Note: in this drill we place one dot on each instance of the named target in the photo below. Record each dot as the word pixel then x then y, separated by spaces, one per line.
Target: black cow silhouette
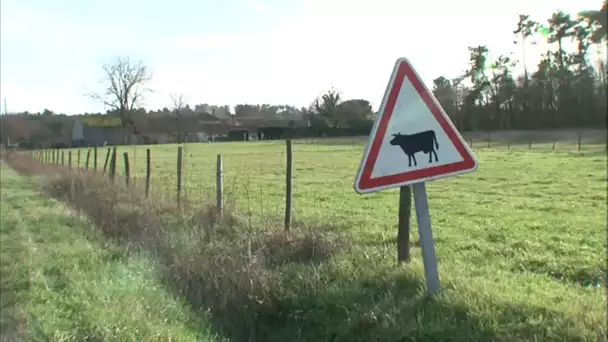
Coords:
pixel 419 142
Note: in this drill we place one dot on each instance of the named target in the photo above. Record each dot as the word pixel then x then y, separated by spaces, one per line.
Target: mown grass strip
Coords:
pixel 61 282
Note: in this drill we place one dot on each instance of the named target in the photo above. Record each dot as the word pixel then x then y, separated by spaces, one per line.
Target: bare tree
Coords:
pixel 126 88
pixel 178 106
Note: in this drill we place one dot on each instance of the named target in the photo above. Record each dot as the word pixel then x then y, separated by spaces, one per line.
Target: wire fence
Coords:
pixel 254 176
pixel 553 140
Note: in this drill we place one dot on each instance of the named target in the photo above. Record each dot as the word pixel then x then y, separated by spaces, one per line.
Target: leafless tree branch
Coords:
pixel 125 87
pixel 178 106
pixel 178 103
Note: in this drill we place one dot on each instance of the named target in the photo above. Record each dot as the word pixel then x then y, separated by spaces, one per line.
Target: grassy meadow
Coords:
pixel 521 243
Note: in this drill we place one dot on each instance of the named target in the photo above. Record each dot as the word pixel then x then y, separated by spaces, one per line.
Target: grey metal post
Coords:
pixel 426 238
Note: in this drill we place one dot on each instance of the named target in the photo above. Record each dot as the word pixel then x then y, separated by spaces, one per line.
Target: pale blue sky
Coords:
pixel 244 51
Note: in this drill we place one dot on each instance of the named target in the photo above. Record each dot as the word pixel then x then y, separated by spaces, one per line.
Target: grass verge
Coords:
pixel 61 282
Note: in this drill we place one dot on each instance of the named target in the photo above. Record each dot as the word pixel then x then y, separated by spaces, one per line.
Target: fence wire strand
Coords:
pixel 254 172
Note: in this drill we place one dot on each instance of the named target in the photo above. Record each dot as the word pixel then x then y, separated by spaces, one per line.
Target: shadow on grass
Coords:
pixel 265 285
pixel 394 308
pixel 583 276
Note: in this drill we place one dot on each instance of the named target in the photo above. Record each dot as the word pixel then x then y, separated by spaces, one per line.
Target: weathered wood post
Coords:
pixel 405 216
pixel 288 184
pixel 105 163
pixel 125 156
pixel 147 172
pixel 86 162
pixel 113 164
pixel 219 185
pixel 95 158
pixel 179 175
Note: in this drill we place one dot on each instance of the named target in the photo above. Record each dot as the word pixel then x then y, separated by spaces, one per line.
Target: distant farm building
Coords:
pixel 200 127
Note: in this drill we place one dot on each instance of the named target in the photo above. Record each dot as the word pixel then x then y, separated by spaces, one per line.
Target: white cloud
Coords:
pixel 35 99
pixel 351 46
pixel 260 8
pixel 204 41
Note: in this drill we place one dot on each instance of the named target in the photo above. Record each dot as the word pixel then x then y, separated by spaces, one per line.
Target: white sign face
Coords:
pixel 412 140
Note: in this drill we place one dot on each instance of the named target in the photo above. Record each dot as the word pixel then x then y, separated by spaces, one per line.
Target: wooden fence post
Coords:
pixel 105 163
pixel 86 162
pixel 113 164
pixel 78 160
pixel 288 189
pixel 127 168
pixel 147 171
pixel 580 138
pixel 70 160
pixel 179 175
pixel 403 230
pixel 95 158
pixel 62 158
pixel 219 186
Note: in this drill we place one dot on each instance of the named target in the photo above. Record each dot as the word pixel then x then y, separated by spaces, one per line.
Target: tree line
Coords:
pixel 567 89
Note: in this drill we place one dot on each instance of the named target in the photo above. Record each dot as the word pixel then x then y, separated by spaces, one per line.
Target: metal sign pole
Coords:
pixel 426 238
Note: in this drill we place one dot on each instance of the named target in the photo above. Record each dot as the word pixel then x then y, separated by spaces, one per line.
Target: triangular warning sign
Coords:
pixel 413 139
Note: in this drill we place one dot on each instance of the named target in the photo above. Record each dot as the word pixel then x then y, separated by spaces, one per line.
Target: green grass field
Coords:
pixel 60 281
pixel 520 243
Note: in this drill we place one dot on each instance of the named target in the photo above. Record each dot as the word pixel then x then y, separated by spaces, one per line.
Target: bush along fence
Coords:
pixel 72 161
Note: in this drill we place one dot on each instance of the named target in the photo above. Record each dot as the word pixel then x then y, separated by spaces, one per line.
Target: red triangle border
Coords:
pixel 366 182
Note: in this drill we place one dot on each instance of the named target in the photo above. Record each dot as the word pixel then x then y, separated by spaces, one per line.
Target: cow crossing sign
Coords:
pixel 413 139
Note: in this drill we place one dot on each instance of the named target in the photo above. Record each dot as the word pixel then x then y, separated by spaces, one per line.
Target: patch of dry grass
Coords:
pixel 219 264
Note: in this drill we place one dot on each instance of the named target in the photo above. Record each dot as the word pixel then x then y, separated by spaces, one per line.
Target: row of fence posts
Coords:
pixel 56 156
pixel 579 143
